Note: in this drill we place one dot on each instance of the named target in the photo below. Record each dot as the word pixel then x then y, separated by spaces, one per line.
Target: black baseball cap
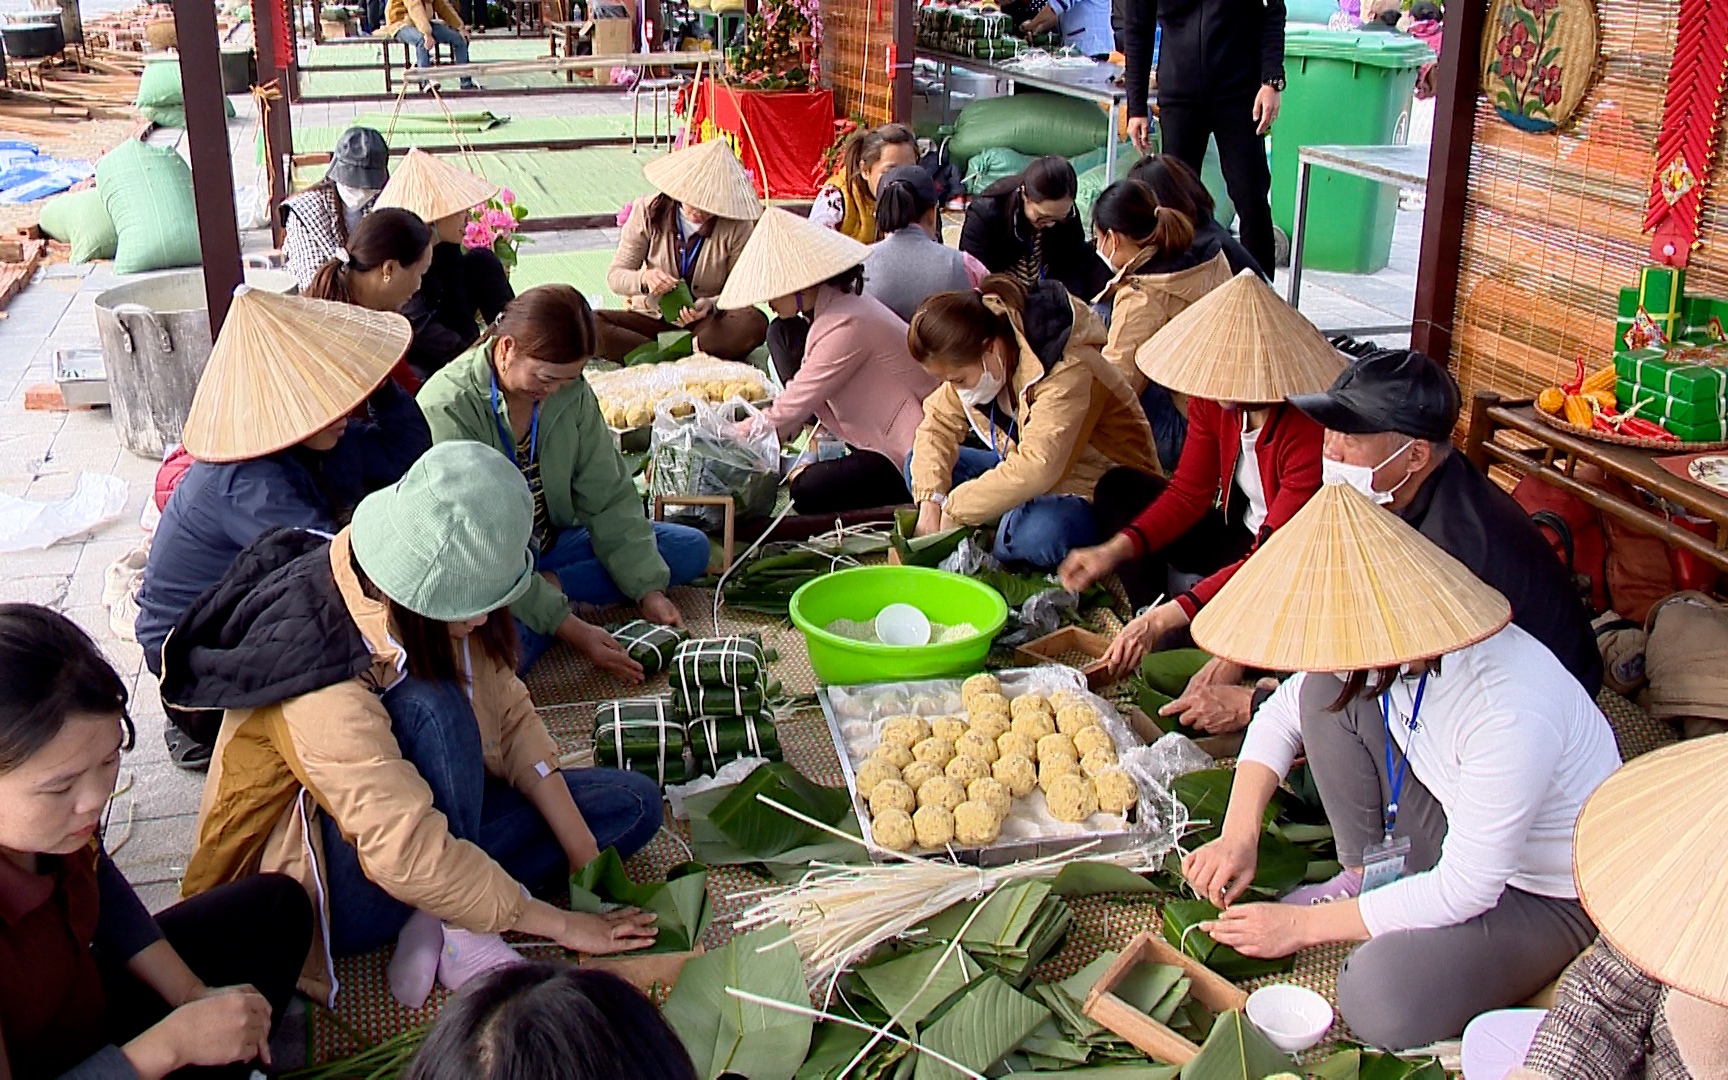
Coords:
pixel 916 177
pixel 360 160
pixel 1398 390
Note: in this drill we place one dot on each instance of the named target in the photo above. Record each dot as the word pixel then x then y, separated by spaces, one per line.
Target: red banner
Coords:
pixel 778 135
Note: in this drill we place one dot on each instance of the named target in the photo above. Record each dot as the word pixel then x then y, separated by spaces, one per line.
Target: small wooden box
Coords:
pixel 1058 647
pixel 1208 987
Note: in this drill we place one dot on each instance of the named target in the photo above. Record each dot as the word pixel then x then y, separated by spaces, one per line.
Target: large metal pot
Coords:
pixel 155 342
pixel 32 39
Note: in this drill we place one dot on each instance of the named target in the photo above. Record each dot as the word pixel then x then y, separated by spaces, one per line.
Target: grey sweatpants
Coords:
pixel 1413 987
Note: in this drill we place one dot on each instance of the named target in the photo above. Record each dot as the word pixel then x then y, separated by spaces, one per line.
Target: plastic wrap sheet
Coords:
pixel 628 395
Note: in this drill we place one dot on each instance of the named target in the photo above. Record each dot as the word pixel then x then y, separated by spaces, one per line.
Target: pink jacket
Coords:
pixel 858 378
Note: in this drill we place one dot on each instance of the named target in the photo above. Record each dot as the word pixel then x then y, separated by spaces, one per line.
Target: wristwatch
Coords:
pixel 1276 84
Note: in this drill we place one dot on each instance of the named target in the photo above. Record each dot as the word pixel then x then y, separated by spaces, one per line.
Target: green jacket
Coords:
pixel 585 479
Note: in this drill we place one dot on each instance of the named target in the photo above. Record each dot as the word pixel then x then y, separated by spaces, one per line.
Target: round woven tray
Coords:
pixel 1674 447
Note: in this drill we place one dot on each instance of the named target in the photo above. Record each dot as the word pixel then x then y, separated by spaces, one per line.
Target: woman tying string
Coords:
pixel 910 264
pixel 855 376
pixel 521 392
pixel 91 985
pixel 1025 226
pixel 378 745
pixel 464 288
pixel 1250 462
pixel 275 443
pixel 1022 370
pixel 1452 752
pixel 1158 274
pixel 319 220
pixel 847 202
pixel 690 234
pixel 379 270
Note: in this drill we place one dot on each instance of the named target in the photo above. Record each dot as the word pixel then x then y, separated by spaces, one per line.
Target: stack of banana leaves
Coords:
pixel 766 583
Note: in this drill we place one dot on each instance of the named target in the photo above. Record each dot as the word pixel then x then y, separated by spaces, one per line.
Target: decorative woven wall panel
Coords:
pixel 856 37
pixel 1553 224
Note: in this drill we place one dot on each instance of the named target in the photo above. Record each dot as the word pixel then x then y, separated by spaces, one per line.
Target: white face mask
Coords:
pixel 353 197
pixel 989 386
pixel 1108 257
pixel 1361 477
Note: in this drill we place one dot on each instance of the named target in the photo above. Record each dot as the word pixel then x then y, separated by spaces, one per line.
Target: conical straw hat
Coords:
pixel 708 177
pixel 787 253
pixel 285 368
pixel 432 188
pixel 1347 586
pixel 1651 858
pixel 1240 342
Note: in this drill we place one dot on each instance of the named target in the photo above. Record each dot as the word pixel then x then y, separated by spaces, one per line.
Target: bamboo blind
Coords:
pixel 856 38
pixel 1552 228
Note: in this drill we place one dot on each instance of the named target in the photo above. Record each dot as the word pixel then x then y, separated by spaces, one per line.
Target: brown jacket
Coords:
pixel 645 247
pixel 276 768
pixel 420 13
pixel 1145 302
pixel 1077 416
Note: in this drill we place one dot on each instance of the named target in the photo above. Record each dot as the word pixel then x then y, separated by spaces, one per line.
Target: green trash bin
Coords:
pixel 1346 88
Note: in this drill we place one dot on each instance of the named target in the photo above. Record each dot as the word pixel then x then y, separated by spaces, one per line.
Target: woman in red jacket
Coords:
pixel 1251 461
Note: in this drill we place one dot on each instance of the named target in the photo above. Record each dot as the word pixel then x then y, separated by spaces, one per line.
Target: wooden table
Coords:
pixel 1556 457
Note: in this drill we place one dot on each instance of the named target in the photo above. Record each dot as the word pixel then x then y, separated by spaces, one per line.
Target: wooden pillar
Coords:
pixel 291 11
pixel 901 59
pixel 271 47
pixel 207 136
pixel 1437 268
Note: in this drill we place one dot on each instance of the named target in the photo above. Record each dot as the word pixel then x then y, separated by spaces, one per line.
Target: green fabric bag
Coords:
pixel 147 191
pixel 159 85
pixel 79 218
pixel 992 164
pixel 1035 124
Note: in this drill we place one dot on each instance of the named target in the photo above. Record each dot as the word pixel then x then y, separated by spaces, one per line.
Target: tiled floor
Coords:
pixel 42 453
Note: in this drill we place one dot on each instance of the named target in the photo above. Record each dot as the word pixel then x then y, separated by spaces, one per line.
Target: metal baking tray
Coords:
pixel 998 854
pixel 82 377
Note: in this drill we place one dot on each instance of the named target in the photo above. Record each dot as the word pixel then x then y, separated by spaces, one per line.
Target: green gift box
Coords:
pixel 1654 405
pixel 1662 294
pixel 1675 373
pixel 1706 431
pixel 643 735
pixel 714 741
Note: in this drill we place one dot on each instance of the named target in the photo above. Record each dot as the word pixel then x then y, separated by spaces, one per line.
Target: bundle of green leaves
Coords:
pixel 1182 919
pixel 1018 926
pixel 725 1033
pixel 1295 841
pixel 729 826
pixel 680 903
pixel 766 583
pixel 1070 1039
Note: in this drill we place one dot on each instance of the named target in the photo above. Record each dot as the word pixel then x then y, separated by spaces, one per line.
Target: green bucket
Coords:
pixel 862 592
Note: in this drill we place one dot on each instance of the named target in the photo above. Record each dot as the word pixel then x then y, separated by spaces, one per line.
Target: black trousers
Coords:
pixel 1212 544
pixel 786 341
pixel 255 931
pixel 1187 124
pixel 862 480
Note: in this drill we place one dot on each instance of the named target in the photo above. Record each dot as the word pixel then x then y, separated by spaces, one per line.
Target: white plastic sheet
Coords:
pixel 32 526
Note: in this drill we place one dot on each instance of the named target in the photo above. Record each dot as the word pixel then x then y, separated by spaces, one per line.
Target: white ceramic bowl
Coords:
pixel 902 624
pixel 1293 1017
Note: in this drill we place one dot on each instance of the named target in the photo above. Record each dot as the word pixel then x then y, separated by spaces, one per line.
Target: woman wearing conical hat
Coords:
pixel 1452 753
pixel 691 233
pixel 855 376
pixel 276 444
pixel 1249 461
pixel 464 288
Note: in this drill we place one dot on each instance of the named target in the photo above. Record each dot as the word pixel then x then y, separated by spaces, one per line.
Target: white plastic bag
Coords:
pixel 32 526
pixel 703 449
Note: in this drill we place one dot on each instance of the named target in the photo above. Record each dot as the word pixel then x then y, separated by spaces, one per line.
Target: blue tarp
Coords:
pixel 27 174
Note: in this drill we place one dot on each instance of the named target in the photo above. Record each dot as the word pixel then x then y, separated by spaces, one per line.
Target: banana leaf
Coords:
pixel 649 644
pixel 719 701
pixel 729 662
pixel 1182 919
pixel 680 902
pixel 716 740
pixel 895 984
pixel 832 1046
pixel 1019 926
pixel 669 346
pixel 1150 701
pixel 1168 672
pixel 923 550
pixel 763 831
pixel 1237 1051
pixel 979 1028
pixel 1358 1064
pixel 726 1034
pixel 1206 794
pixel 640 734
pixel 1083 878
pixel 710 846
pixel 673 303
pixel 1282 865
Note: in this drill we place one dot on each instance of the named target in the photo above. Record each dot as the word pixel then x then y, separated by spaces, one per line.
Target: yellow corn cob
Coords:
pixel 1604 398
pixel 1600 379
pixel 1551 400
pixel 1578 412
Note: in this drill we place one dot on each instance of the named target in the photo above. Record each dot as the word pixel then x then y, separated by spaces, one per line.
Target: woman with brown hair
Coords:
pixel 1021 369
pixel 521 392
pixel 690 234
pixel 847 202
pixel 380 269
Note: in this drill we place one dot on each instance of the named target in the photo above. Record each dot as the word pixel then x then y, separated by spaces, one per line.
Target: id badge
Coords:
pixel 1383 863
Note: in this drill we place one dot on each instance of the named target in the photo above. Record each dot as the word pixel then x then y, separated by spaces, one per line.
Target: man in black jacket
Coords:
pixel 1220 73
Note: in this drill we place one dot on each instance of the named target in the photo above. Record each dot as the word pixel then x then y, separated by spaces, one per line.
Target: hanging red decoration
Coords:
pixel 1687 143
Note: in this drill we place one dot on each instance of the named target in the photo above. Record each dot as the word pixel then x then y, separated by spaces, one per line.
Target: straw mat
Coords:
pixel 1652 868
pixel 1347 586
pixel 285 368
pixel 433 188
pixel 787 253
pixel 708 177
pixel 1240 343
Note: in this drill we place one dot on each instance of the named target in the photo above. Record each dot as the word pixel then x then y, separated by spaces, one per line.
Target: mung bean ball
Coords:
pixel 1073 719
pixel 893 830
pixel 1016 773
pixel 989 724
pixel 1117 792
pixel 1096 761
pixel 979 684
pixel 965 769
pixel 1055 766
pixel 941 791
pixel 1017 742
pixel 976 823
pixel 988 789
pixel 919 771
pixel 908 731
pixel 934 826
pixel 1093 738
pixel 892 795
pixel 948 727
pixel 1057 745
pixel 977 744
pixel 938 752
pixel 1071 798
pixel 872 772
pixel 1034 724
pixel 894 754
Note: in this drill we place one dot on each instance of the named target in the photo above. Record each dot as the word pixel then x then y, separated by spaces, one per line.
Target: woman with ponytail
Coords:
pixel 910 263
pixel 380 270
pixel 1158 274
pixel 847 203
pixel 1022 370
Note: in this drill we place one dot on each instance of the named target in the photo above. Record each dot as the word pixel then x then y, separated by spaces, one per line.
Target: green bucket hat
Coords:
pixel 449 541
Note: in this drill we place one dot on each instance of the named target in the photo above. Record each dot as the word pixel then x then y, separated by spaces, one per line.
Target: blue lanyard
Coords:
pixel 687 258
pixel 1397 779
pixel 504 431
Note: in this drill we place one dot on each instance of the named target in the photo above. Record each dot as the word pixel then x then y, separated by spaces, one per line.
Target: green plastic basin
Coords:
pixel 862 592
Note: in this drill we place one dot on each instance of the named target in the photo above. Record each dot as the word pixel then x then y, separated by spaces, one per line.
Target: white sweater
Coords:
pixel 1510 745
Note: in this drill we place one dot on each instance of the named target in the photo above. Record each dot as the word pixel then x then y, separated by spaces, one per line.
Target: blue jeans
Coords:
pixel 1041 531
pixel 442 34
pixel 435 727
pixel 585 580
pixel 1169 426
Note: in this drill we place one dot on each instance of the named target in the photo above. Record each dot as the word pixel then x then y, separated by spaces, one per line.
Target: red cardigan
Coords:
pixel 1288 451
